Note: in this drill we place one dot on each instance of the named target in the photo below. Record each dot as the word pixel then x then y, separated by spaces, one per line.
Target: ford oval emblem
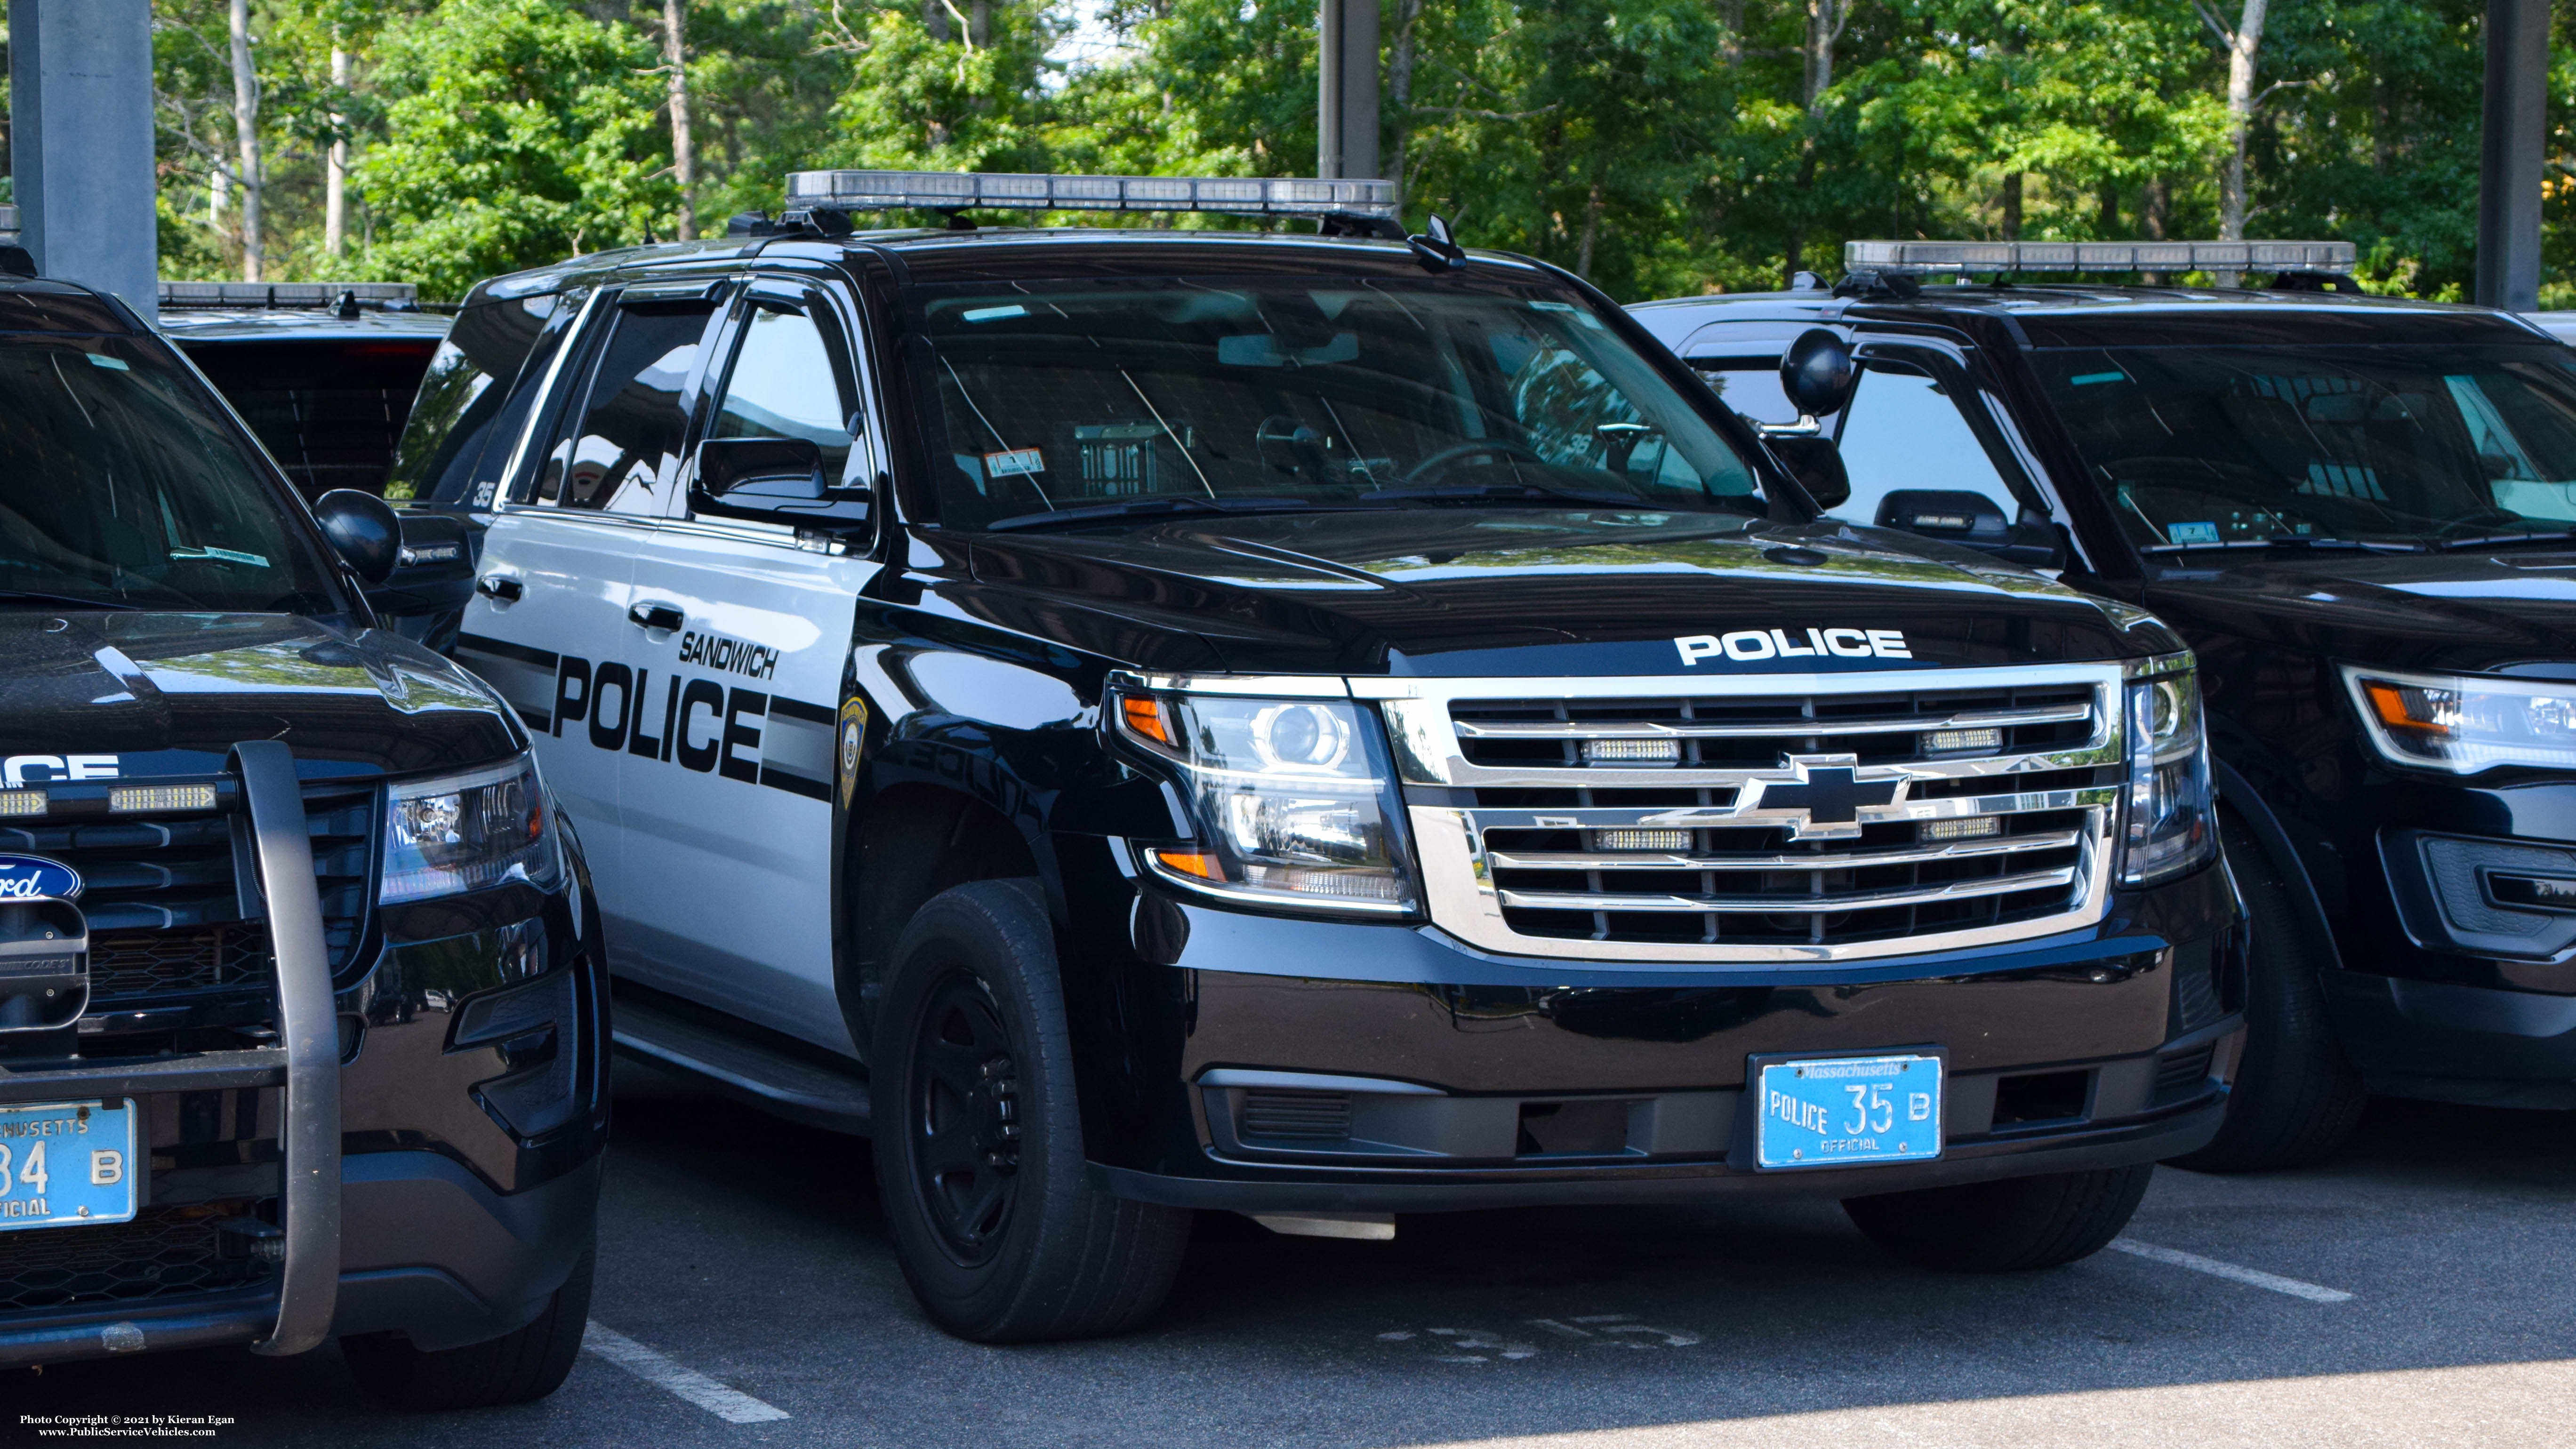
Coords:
pixel 34 878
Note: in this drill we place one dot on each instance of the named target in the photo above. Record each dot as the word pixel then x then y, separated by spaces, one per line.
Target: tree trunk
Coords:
pixel 2012 206
pixel 335 169
pixel 684 147
pixel 1399 92
pixel 2241 47
pixel 246 131
pixel 934 18
pixel 979 23
pixel 1591 231
pixel 1825 22
pixel 1730 18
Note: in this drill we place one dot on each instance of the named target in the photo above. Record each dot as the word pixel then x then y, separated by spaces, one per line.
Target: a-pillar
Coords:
pixel 80 142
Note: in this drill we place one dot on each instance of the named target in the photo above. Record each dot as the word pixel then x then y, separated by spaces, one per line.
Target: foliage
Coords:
pixel 1656 146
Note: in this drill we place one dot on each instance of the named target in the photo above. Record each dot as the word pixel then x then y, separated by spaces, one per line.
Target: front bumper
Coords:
pixel 1423 1075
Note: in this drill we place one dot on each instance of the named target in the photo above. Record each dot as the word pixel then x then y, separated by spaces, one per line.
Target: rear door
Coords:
pixel 745 626
pixel 549 615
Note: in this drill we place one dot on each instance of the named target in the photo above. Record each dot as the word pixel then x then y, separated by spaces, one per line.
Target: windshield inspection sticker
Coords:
pixel 1015 463
pixel 2192 532
pixel 1747 645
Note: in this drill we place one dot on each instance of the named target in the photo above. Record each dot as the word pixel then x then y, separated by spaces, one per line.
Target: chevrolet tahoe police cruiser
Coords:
pixel 301 987
pixel 2358 511
pixel 1320 726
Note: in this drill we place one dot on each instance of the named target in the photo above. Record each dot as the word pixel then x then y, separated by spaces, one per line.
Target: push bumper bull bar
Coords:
pixel 306 1064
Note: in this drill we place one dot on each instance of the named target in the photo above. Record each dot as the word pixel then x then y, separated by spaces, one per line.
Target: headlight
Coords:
pixel 466 832
pixel 1293 799
pixel 2465 724
pixel 2170 829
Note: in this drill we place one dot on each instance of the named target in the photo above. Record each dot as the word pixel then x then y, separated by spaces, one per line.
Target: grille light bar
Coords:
pixel 956 190
pixel 2163 256
pixel 125 799
pixel 21 802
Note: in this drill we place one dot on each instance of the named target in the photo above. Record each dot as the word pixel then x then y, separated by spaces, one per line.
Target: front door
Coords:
pixel 745 625
pixel 548 621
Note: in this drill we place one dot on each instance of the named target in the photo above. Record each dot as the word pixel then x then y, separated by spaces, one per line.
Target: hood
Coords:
pixel 140 694
pixel 1539 592
pixel 2455 612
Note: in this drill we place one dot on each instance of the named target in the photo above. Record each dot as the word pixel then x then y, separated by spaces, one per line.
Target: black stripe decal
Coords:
pixel 504 649
pixel 778 779
pixel 784 707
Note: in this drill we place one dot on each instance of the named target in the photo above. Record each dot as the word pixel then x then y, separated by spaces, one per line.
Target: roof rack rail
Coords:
pixel 1887 257
pixel 958 190
pixel 384 296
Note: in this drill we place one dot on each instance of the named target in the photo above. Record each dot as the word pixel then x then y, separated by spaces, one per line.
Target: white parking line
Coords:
pixel 2217 1269
pixel 731 1405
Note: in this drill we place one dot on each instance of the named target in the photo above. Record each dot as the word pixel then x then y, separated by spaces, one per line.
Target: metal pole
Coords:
pixel 2509 162
pixel 1346 116
pixel 80 142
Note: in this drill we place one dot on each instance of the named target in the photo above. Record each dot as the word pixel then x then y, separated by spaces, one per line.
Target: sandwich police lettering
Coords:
pixel 1745 646
pixel 727 655
pixel 699 724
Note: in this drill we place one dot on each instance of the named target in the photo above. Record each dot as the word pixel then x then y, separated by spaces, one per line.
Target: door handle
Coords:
pixel 650 615
pixel 501 587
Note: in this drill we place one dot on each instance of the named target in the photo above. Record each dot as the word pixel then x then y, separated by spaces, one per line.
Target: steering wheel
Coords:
pixel 1440 460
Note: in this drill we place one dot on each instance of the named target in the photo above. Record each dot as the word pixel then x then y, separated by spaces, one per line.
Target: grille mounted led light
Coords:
pixel 1945 742
pixel 2164 256
pixel 1628 838
pixel 1974 827
pixel 14 803
pixel 1632 752
pixel 131 799
pixel 958 190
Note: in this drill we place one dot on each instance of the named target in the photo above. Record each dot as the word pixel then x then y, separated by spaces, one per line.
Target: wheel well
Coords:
pixel 914 842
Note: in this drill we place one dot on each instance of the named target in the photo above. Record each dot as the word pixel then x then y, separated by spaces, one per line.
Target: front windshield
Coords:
pixel 121 487
pixel 1062 402
pixel 2278 446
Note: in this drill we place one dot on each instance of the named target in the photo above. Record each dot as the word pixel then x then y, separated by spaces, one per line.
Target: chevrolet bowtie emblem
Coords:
pixel 1819 797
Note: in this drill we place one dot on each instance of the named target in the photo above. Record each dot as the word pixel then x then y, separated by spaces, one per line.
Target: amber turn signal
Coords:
pixel 1144 715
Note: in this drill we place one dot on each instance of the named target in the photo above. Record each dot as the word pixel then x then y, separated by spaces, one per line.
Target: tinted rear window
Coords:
pixel 330 410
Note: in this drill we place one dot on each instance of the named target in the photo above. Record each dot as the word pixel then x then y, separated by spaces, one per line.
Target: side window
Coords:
pixel 474 401
pixel 1903 429
pixel 786 383
pixel 620 453
pixel 1751 386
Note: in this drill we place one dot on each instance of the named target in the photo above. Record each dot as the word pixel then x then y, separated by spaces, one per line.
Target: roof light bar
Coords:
pixel 282 294
pixel 2152 256
pixel 956 190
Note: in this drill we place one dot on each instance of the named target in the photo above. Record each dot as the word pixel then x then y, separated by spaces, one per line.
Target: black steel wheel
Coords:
pixel 964 1119
pixel 979 1152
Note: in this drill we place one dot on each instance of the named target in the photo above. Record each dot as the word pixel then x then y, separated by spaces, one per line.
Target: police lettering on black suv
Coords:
pixel 2358 512
pixel 1317 726
pixel 302 994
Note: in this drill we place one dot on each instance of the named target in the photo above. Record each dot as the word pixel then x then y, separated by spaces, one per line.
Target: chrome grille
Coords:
pixel 1761 818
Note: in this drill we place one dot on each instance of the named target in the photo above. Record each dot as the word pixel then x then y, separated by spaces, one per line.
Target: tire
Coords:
pixel 526 1364
pixel 979 1157
pixel 2296 1098
pixel 2004 1227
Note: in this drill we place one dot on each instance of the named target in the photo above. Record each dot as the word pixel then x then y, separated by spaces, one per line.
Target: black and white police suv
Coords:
pixel 302 995
pixel 2360 512
pixel 1320 726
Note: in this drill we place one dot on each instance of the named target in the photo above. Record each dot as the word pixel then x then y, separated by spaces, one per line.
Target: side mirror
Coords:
pixel 1816 463
pixel 363 531
pixel 782 468
pixel 1973 519
pixel 434 570
pixel 1817 372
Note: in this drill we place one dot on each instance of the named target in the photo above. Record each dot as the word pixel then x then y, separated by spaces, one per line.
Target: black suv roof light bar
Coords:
pixel 388 296
pixel 958 190
pixel 2148 256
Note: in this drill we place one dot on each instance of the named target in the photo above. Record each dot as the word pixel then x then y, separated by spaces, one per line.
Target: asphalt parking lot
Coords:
pixel 750 1299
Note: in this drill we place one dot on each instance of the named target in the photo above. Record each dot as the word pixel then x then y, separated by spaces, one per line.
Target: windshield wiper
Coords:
pixel 1158 508
pixel 2290 540
pixel 30 596
pixel 1498 493
pixel 2492 540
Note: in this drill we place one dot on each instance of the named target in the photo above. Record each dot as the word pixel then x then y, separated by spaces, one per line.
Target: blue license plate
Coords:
pixel 66 1164
pixel 1838 1111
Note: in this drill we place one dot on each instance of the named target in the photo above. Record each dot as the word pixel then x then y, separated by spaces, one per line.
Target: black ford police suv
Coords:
pixel 302 996
pixel 2361 513
pixel 1321 726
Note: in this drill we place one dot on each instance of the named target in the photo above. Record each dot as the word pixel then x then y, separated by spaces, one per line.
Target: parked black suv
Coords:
pixel 2358 510
pixel 302 998
pixel 1322 726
